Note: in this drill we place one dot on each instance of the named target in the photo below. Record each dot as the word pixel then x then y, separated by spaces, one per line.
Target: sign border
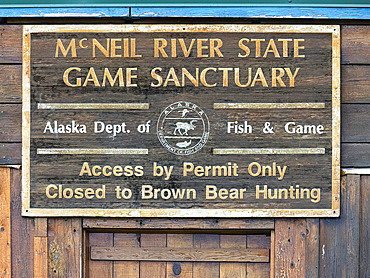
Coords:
pixel 197 213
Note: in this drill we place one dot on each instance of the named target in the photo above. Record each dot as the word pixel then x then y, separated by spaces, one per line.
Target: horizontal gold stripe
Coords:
pixel 93 106
pixel 92 151
pixel 267 105
pixel 271 151
pixel 239 213
pixel 209 28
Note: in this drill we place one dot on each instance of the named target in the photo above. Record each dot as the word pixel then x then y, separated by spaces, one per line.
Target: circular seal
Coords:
pixel 183 128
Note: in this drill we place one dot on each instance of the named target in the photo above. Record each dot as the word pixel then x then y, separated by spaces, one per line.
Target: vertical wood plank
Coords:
pixel 40 248
pixel 40 257
pixel 255 270
pixel 65 247
pixel 272 255
pixel 290 249
pixel 86 253
pixel 206 270
pixel 364 228
pixel 233 270
pixel 153 269
pixel 100 269
pixel 339 238
pixel 41 227
pixel 22 232
pixel 312 247
pixel 123 269
pixel 5 228
pixel 184 241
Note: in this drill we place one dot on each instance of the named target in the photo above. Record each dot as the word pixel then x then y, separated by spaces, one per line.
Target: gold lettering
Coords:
pixel 193 80
pixel 114 47
pixel 66 79
pixel 245 48
pixel 81 44
pixel 225 76
pixel 237 78
pixel 159 45
pixel 200 48
pixel 72 46
pixel 156 77
pixel 297 47
pixel 130 76
pixel 258 46
pixel 172 77
pixel 51 186
pixel 183 47
pixel 94 171
pixel 173 48
pixel 285 46
pixel 133 49
pixel 277 78
pixel 125 48
pixel 85 169
pixel 273 49
pixel 103 50
pixel 112 81
pixel 213 48
pixel 259 77
pixel 91 76
pixel 203 77
pixel 291 76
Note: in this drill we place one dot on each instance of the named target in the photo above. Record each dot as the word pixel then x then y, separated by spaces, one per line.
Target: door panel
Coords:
pixel 199 245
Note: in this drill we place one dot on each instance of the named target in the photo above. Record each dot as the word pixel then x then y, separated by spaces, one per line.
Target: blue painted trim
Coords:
pixel 255 12
pixel 65 12
pixel 221 12
pixel 179 3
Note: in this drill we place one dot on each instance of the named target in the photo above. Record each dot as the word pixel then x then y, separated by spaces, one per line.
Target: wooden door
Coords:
pixel 173 254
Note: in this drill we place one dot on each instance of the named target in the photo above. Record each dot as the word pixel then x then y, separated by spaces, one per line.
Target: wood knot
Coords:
pixel 176 268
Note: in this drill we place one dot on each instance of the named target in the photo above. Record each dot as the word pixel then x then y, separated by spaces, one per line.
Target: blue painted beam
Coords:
pixel 179 3
pixel 255 12
pixel 220 12
pixel 65 12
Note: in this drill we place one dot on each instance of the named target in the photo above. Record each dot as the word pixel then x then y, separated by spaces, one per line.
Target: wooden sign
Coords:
pixel 181 120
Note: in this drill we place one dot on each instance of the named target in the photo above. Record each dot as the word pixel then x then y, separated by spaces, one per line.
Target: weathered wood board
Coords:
pixel 181 120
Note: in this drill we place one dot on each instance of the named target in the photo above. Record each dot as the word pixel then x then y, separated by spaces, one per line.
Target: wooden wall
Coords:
pixel 309 247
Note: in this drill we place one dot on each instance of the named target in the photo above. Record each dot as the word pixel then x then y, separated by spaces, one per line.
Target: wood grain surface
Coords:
pixel 127 269
pixel 11 44
pixel 178 254
pixel 22 232
pixel 179 241
pixel 206 270
pixel 290 256
pixel 153 269
pixel 100 269
pixel 364 234
pixel 355 44
pixel 176 224
pixel 339 239
pixel 40 249
pixel 5 224
pixel 11 85
pixel 260 269
pixel 65 247
pixel 356 119
pixel 329 257
pixel 313 85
